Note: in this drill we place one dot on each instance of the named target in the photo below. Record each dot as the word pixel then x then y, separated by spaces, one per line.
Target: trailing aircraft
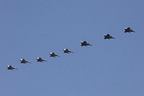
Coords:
pixel 108 36
pixel 67 51
pixel 128 30
pixel 39 59
pixel 10 67
pixel 23 61
pixel 52 54
pixel 85 43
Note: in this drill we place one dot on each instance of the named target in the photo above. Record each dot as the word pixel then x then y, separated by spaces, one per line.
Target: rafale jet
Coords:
pixel 67 51
pixel 108 36
pixel 39 59
pixel 52 54
pixel 128 30
pixel 85 43
pixel 9 67
pixel 23 61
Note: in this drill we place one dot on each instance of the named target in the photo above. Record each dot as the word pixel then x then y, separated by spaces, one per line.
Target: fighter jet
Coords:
pixel 9 67
pixel 128 30
pixel 23 61
pixel 85 43
pixel 52 54
pixel 108 36
pixel 67 51
pixel 39 59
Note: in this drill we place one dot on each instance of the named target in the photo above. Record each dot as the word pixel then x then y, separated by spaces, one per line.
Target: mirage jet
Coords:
pixel 108 36
pixel 85 43
pixel 128 30
pixel 39 59
pixel 9 67
pixel 67 51
pixel 52 54
pixel 23 61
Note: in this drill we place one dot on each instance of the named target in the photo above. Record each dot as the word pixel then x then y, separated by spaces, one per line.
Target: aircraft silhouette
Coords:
pixel 52 54
pixel 108 36
pixel 85 43
pixel 23 61
pixel 9 67
pixel 128 30
pixel 67 51
pixel 39 59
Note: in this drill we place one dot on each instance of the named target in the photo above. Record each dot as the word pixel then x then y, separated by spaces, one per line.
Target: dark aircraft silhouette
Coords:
pixel 108 36
pixel 128 30
pixel 9 67
pixel 39 59
pixel 52 54
pixel 67 51
pixel 23 61
pixel 85 43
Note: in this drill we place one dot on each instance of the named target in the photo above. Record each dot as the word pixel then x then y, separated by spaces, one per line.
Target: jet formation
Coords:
pixel 65 50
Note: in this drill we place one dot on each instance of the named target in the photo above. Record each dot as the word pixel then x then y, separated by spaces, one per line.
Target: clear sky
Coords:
pixel 33 28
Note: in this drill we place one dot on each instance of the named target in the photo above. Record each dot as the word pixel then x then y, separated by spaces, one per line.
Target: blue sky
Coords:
pixel 33 28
